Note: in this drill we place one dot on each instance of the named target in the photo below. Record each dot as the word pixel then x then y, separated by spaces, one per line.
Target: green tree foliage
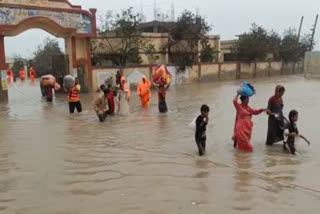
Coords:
pixel 258 43
pixel 292 50
pixel 207 52
pixel 124 26
pixel 17 64
pixel 150 53
pixel 252 46
pixel 42 62
pixel 185 35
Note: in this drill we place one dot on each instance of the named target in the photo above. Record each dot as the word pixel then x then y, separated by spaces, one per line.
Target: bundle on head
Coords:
pixel 68 82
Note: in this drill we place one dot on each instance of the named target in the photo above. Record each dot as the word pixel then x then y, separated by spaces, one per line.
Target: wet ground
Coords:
pixel 54 163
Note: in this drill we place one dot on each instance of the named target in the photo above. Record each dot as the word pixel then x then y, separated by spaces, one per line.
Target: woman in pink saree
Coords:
pixel 244 125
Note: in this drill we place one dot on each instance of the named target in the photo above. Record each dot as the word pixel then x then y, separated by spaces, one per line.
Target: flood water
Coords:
pixel 54 163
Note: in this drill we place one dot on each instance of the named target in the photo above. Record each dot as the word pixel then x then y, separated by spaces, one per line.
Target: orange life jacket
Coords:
pixel 73 95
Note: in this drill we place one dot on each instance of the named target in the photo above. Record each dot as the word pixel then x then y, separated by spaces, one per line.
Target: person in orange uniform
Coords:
pixel 73 98
pixel 22 74
pixel 32 74
pixel 9 75
pixel 144 92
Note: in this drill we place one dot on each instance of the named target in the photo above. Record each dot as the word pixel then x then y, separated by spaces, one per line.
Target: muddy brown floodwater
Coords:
pixel 54 163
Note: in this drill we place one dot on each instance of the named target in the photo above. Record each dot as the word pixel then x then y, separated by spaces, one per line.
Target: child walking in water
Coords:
pixel 201 126
pixel 292 132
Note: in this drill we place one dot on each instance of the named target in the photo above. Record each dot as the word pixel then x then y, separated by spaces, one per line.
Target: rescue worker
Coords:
pixel 9 75
pixel 22 74
pixel 144 92
pixel 32 74
pixel 73 98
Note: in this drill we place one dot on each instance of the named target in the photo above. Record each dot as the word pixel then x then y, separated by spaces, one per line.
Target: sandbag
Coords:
pixel 68 82
pixel 246 89
pixel 161 75
pixel 47 80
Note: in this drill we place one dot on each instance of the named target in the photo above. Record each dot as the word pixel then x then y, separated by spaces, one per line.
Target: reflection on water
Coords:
pixel 53 162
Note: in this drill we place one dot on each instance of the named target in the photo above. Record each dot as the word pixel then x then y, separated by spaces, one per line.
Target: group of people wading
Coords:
pixel 114 99
pixel 22 75
pixel 280 129
pixel 120 94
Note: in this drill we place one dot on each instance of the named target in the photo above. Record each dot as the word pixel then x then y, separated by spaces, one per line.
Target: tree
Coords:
pixel 150 53
pixel 42 62
pixel 17 64
pixel 256 44
pixel 184 38
pixel 252 46
pixel 274 42
pixel 207 52
pixel 122 41
pixel 292 50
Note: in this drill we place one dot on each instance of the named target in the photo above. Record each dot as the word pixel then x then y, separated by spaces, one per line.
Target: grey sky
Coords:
pixel 228 17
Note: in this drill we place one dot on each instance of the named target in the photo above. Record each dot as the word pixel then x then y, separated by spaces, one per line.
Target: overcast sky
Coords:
pixel 228 17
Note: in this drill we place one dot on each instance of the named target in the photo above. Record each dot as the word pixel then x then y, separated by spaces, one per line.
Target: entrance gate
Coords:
pixel 59 18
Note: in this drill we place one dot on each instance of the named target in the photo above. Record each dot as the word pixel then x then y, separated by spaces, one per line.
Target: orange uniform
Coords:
pixel 22 74
pixel 144 92
pixel 73 95
pixel 74 100
pixel 32 74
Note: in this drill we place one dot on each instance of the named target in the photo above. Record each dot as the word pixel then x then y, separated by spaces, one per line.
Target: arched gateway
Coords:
pixel 57 17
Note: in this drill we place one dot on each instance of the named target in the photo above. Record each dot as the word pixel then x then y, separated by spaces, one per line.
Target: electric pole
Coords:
pixel 299 33
pixel 313 33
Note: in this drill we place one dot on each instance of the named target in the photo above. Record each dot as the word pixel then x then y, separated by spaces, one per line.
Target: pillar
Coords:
pixel 89 65
pixel 3 68
pixel 94 15
pixel 74 53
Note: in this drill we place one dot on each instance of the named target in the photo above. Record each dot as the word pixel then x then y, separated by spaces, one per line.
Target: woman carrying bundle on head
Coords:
pixel 244 125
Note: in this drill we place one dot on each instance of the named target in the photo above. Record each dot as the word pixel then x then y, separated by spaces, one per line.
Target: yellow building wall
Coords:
pixel 102 45
pixel 209 71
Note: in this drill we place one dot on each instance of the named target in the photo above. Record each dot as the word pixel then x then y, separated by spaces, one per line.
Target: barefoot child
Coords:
pixel 201 126
pixel 292 132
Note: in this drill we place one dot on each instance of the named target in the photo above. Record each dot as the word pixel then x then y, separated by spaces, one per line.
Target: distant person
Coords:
pixel 32 74
pixel 276 118
pixel 144 92
pixel 73 98
pixel 162 104
pixel 244 125
pixel 22 74
pixel 101 106
pixel 111 100
pixel 9 75
pixel 201 127
pixel 119 75
pixel 101 89
pixel 49 93
pixel 124 97
pixel 43 90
